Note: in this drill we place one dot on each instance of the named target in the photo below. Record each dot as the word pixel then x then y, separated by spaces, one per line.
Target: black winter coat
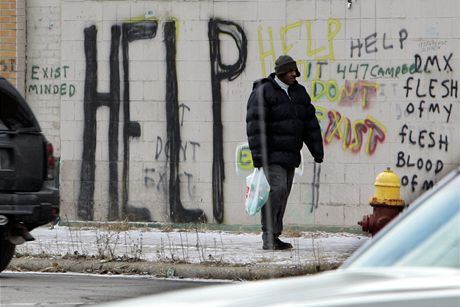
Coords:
pixel 288 123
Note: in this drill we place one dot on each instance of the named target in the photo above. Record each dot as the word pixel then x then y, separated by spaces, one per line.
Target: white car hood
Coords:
pixel 350 287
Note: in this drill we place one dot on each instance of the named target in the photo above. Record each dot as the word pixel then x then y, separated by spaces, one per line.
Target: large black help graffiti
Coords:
pixel 220 72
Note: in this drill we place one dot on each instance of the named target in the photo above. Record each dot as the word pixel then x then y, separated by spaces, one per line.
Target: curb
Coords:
pixel 163 270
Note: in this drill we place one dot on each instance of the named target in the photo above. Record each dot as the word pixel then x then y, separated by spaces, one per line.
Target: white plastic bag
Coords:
pixel 257 190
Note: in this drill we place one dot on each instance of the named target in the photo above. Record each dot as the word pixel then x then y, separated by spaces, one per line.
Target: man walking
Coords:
pixel 280 118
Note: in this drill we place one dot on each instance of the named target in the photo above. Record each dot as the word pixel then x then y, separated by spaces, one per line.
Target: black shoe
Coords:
pixel 282 245
pixel 277 245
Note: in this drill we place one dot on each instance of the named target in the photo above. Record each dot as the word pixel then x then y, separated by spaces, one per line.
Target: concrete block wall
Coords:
pixel 113 82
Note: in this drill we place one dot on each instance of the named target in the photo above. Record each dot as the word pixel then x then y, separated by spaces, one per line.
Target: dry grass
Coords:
pixel 292 233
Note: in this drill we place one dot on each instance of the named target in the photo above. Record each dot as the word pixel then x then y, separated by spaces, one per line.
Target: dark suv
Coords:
pixel 28 194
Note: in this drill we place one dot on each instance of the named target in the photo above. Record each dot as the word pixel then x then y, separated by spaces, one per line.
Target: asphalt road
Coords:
pixel 64 289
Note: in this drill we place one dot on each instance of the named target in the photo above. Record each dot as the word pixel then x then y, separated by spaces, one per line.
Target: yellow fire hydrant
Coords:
pixel 387 202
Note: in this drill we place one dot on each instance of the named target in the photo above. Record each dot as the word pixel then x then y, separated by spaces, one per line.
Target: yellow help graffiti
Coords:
pixel 324 52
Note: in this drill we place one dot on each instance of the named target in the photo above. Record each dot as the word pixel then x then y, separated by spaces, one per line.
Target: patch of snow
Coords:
pixel 191 246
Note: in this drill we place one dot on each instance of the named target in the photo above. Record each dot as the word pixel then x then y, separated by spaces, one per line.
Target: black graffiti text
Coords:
pixel 62 89
pixel 413 182
pixel 406 160
pixel 219 73
pixel 433 62
pixel 142 30
pixel 429 108
pixel 48 72
pixel 424 138
pixel 162 149
pixel 183 107
pixel 371 44
pixel 435 88
pixel 158 180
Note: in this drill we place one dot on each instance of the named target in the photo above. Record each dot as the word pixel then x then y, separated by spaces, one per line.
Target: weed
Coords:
pixel 166 228
pixel 291 232
pixel 116 226
pixel 133 248
pixel 317 253
pixel 107 242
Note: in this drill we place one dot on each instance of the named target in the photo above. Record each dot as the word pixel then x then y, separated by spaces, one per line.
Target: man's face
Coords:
pixel 289 77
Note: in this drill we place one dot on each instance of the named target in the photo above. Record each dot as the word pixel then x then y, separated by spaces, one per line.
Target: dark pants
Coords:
pixel 280 180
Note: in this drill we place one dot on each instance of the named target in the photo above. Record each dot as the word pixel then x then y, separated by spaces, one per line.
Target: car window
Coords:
pixel 440 249
pixel 15 114
pixel 11 115
pixel 428 236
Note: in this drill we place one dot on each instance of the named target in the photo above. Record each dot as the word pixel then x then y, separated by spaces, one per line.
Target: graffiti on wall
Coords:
pixel 243 159
pixel 429 99
pixel 156 178
pixel 315 185
pixel 351 92
pixel 374 43
pixel 177 211
pixel 431 45
pixel 360 85
pixel 123 35
pixel 365 133
pixel 173 147
pixel 7 65
pixel 50 80
pixel 353 84
pixel 325 52
pixel 94 100
pixel 220 72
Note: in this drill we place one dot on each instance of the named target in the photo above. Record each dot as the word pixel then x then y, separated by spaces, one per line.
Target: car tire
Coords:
pixel 6 253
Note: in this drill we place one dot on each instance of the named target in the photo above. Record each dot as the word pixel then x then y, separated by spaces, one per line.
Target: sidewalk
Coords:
pixel 181 253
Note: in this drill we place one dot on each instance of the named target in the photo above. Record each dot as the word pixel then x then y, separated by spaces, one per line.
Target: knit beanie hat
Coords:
pixel 284 64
